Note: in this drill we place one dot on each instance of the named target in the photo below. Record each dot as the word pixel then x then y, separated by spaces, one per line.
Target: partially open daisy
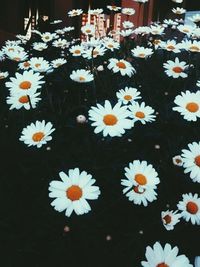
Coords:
pixel 75 12
pixel 23 100
pixel 71 194
pixel 128 11
pixel 177 161
pixel 128 24
pixel 82 76
pixel 126 32
pixel 3 75
pixel 142 113
pixel 164 257
pixel 178 11
pixel 191 161
pixel 95 12
pixel 128 95
pixel 190 208
pixel 60 43
pixel 37 134
pixel 114 8
pixel 170 219
pixel 24 65
pixel 122 66
pixel 112 121
pixel 175 68
pixel 27 81
pixel 195 18
pixel 58 62
pixel 141 52
pixel 188 105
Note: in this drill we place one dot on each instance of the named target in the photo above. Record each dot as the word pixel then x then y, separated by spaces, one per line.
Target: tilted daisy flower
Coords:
pixel 191 161
pixel 39 64
pixel 143 30
pixel 142 113
pixel 122 66
pixel 92 42
pixel 175 68
pixel 95 12
pixel 94 52
pixel 68 29
pixel 37 134
pixel 76 50
pixel 164 257
pixel 170 219
pixel 39 46
pixel 190 208
pixel 82 76
pixel 111 44
pixel 75 12
pixel 24 65
pixel 23 100
pixel 128 11
pixel 127 24
pixel 58 62
pixel 157 29
pixel 142 175
pixel 114 8
pixel 47 36
pixel 71 194
pixel 60 43
pixel 112 121
pixel 170 22
pixel 195 18
pixel 128 95
pixel 187 29
pixel 192 46
pixel 3 75
pixel 141 52
pixel 177 160
pixel 88 29
pixel 188 105
pixel 126 33
pixel 196 33
pixel 27 81
pixel 178 11
pixel 171 46
pixel 17 56
pixel 12 48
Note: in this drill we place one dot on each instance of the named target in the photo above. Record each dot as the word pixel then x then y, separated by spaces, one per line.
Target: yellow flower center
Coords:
pixel 37 137
pixel 110 119
pixel 74 193
pixel 77 51
pixel 170 47
pixel 194 48
pixel 37 65
pixel 81 79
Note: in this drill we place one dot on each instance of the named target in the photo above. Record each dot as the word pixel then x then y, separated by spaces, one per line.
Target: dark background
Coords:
pixel 32 232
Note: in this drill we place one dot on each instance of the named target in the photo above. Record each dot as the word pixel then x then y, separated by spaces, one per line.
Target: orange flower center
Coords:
pixel 194 48
pixel 2 77
pixel 74 193
pixel 162 265
pixel 81 79
pixel 77 51
pixel 37 137
pixel 17 58
pixel 177 69
pixel 26 64
pixel 197 161
pixel 121 65
pixel 192 207
pixel 95 53
pixel 23 99
pixel 156 42
pixel 88 31
pixel 140 114
pixel 110 119
pixel 140 179
pixel 37 65
pixel 25 85
pixel 171 47
pixel 142 55
pixel 192 107
pixel 128 97
pixel 110 46
pixel 167 219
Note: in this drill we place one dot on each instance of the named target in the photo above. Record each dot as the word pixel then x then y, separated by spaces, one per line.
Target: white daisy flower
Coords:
pixel 177 160
pixel 56 21
pixel 37 134
pixel 128 24
pixel 39 46
pixel 58 62
pixel 195 18
pixel 188 105
pixel 88 29
pixel 197 261
pixel 95 12
pixel 94 52
pixel 128 11
pixel 17 56
pixel 198 83
pixel 71 194
pixel 68 29
pixel 12 48
pixel 23 100
pixel 178 1
pixel 140 174
pixel 60 43
pixel 187 29
pixel 27 81
pixel 128 95
pixel 141 52
pixel 175 68
pixel 164 257
pixel 171 46
pixel 114 8
pixel 112 121
pixel 142 113
pixel 170 22
pixel 190 208
pixel 76 50
pixel 75 12
pixel 47 36
pixel 24 65
pixel 111 44
pixel 122 66
pixel 3 75
pixel 157 29
pixel 82 76
pixel 126 33
pixel 192 46
pixel 191 161
pixel 39 64
pixel 170 219
pixel 178 11
pixel 143 30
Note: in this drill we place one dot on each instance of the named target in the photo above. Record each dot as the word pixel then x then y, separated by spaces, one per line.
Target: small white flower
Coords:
pixel 175 68
pixel 177 160
pixel 170 219
pixel 122 66
pixel 82 76
pixel 142 113
pixel 128 95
